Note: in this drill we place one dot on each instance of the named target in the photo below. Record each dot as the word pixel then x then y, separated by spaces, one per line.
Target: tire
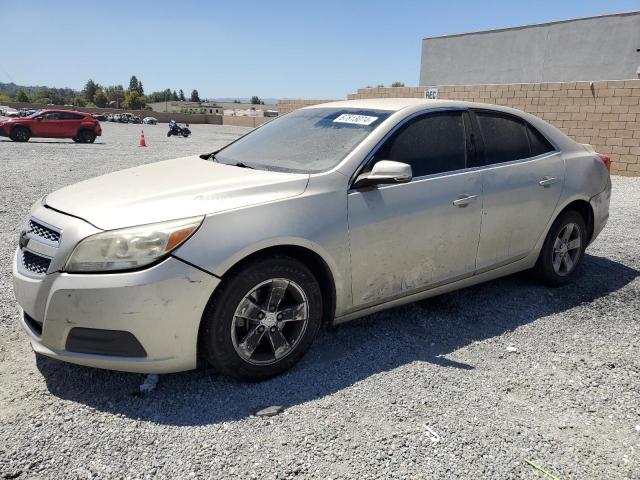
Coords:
pixel 20 134
pixel 250 347
pixel 168 134
pixel 567 237
pixel 86 136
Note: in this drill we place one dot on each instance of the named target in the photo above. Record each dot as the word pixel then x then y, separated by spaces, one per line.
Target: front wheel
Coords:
pixel 563 249
pixel 263 320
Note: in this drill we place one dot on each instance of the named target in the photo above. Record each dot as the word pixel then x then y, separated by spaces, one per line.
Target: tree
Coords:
pixel 181 96
pixel 79 102
pixel 100 98
pixel 133 100
pixel 397 84
pixel 22 96
pixel 194 96
pixel 174 96
pixel 255 100
pixel 114 92
pixel 90 89
pixel 380 85
pixel 135 85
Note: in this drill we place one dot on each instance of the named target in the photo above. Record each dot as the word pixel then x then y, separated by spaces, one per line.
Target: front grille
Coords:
pixel 35 263
pixel 44 232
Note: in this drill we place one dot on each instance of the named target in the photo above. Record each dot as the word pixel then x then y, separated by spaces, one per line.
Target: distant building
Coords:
pixel 210 108
pixel 606 47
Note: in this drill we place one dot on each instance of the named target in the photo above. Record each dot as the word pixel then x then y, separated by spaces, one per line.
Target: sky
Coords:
pixel 239 48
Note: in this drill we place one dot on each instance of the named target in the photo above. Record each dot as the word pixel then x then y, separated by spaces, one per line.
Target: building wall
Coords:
pixel 596 48
pixel 245 121
pixel 287 105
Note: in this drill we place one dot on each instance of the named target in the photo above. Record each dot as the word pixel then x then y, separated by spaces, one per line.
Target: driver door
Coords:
pixel 47 125
pixel 409 237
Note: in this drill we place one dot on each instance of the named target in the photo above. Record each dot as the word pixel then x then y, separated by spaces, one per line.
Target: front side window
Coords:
pixel 433 143
pixel 50 116
pixel 305 141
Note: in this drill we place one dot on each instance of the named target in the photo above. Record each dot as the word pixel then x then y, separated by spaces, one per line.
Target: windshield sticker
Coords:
pixel 355 119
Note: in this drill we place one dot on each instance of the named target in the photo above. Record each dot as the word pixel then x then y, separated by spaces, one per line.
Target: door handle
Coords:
pixel 464 200
pixel 547 181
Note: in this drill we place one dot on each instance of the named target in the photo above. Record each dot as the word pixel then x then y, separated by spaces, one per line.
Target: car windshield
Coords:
pixel 34 114
pixel 304 141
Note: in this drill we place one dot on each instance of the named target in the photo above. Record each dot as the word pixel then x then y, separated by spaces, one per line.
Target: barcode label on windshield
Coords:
pixel 355 119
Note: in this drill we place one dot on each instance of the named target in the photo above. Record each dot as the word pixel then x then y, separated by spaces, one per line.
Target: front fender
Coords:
pixel 317 222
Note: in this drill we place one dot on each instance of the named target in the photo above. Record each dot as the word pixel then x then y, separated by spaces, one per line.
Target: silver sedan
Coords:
pixel 326 214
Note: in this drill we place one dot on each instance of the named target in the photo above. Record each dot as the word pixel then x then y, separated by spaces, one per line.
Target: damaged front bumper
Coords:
pixel 145 321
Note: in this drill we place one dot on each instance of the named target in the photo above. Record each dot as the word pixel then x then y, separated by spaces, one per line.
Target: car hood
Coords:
pixel 172 189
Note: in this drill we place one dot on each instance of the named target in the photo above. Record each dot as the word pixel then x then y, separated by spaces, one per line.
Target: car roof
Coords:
pixel 48 110
pixel 413 104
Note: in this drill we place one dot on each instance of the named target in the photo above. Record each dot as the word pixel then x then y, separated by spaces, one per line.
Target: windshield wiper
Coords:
pixel 209 156
pixel 242 165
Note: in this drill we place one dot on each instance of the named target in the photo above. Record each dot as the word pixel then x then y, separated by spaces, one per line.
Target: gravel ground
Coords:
pixel 463 386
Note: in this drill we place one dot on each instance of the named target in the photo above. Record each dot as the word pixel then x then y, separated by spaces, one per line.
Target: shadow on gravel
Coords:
pixel 423 332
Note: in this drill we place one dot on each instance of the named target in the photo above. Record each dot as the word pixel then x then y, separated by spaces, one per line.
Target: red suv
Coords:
pixel 79 126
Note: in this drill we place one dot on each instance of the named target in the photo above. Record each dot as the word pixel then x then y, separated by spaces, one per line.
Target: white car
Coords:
pixel 326 214
pixel 150 120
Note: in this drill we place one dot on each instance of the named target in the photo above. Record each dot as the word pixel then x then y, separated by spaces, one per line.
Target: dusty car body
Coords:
pixel 372 232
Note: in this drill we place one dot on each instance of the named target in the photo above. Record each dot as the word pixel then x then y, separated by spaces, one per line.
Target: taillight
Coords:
pixel 606 160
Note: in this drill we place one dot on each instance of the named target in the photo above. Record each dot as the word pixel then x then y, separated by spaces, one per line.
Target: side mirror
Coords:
pixel 39 119
pixel 385 172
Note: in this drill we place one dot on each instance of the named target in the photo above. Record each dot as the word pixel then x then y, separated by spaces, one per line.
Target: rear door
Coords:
pixel 521 182
pixel 69 124
pixel 412 236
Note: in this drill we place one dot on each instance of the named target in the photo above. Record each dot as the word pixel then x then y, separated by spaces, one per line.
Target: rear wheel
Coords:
pixel 263 319
pixel 563 249
pixel 87 136
pixel 20 134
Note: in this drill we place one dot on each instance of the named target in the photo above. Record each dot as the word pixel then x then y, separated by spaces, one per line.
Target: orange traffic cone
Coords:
pixel 143 143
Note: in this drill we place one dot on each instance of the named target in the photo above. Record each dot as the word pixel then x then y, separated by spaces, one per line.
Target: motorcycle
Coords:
pixel 175 129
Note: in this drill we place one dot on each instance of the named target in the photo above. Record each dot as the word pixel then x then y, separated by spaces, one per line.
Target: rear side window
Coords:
pixel 505 137
pixel 70 116
pixel 433 143
pixel 538 143
pixel 508 138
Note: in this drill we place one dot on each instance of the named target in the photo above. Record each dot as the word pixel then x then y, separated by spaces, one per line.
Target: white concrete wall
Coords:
pixel 596 48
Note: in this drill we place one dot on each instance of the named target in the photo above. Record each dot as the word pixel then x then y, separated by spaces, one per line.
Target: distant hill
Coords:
pixel 12 88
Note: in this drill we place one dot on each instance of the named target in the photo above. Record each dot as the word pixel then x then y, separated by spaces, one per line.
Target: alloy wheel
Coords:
pixel 270 321
pixel 566 249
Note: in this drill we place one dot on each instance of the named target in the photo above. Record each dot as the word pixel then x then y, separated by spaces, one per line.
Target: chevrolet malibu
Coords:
pixel 326 214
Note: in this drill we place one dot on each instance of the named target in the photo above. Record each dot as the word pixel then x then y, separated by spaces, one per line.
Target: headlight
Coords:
pixel 130 248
